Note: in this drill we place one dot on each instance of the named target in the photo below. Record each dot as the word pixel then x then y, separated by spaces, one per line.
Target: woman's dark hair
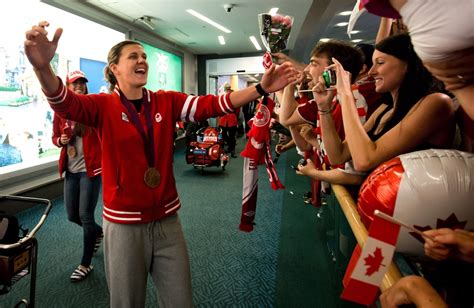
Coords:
pixel 113 57
pixel 416 84
pixel 367 52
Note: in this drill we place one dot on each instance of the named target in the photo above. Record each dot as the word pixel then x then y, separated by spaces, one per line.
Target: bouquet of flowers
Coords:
pixel 274 31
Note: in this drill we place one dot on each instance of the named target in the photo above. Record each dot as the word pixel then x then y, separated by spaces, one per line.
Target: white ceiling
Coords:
pixel 313 19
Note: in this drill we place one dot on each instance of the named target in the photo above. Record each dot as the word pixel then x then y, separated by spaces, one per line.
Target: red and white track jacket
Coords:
pixel 127 200
pixel 91 148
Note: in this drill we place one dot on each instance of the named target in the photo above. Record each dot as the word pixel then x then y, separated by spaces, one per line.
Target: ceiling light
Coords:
pixel 357 41
pixel 355 31
pixel 273 11
pixel 345 13
pixel 209 21
pixel 324 39
pixel 255 42
pixel 146 20
pixel 342 24
pixel 221 40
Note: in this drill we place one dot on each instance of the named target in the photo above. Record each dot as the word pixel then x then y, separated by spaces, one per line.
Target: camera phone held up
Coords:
pixel 329 77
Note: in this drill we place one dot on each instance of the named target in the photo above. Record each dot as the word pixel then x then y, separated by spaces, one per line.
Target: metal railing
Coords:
pixel 349 208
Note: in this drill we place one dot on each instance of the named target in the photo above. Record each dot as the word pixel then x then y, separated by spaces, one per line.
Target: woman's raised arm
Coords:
pixel 40 51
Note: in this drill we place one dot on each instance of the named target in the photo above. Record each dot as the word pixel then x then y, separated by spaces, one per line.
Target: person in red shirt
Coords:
pixel 293 114
pixel 142 231
pixel 80 160
pixel 228 123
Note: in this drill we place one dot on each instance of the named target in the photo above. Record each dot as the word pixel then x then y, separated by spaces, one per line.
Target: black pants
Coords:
pixel 228 134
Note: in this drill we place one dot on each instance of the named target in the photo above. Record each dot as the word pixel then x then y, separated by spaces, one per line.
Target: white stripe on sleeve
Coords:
pixel 184 111
pixel 221 104
pixel 193 108
pixel 59 98
pixel 227 103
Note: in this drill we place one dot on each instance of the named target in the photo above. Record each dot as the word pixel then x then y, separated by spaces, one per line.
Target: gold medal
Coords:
pixel 152 177
pixel 71 151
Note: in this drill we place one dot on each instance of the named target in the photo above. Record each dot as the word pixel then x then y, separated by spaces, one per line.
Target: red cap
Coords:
pixel 75 75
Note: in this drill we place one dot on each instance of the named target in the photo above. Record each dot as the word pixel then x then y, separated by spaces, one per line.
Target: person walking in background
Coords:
pixel 80 160
pixel 143 233
pixel 228 123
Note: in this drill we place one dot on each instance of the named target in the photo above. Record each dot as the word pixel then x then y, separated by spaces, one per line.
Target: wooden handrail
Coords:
pixel 349 208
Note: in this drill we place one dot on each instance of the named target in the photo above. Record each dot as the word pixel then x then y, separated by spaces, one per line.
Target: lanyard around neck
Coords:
pixel 148 142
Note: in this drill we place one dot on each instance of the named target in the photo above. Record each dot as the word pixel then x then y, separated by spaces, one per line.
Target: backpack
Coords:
pixel 10 229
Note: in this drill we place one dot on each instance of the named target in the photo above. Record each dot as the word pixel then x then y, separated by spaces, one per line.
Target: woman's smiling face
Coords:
pixel 79 86
pixel 388 72
pixel 132 67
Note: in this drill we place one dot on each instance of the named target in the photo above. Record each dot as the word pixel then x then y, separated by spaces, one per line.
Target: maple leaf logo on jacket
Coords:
pixel 262 117
pixel 373 262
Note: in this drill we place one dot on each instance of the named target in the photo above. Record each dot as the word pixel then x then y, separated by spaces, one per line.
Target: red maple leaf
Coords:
pixel 374 261
pixel 451 222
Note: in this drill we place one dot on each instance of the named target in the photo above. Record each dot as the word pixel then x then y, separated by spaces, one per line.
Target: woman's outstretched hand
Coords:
pixel 38 48
pixel 278 77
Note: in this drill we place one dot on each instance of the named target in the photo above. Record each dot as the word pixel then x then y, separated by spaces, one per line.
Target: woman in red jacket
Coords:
pixel 80 159
pixel 142 231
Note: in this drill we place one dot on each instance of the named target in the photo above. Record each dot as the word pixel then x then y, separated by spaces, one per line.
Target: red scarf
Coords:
pixel 256 152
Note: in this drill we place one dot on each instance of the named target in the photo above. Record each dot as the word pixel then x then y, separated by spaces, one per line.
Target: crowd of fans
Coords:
pixel 386 103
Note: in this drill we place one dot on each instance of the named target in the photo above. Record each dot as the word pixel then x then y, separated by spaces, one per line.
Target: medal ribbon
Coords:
pixel 148 143
pixel 71 125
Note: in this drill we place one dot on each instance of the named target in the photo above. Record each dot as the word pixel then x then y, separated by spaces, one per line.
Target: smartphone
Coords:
pixel 329 77
pixel 301 162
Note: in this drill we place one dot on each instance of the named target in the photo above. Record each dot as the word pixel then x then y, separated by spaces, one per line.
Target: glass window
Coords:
pixel 25 116
pixel 165 69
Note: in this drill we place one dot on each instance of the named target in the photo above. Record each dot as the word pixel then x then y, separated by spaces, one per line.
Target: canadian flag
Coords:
pixel 257 151
pixel 362 281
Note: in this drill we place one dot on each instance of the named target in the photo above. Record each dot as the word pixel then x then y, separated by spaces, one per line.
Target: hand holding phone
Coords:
pixel 329 77
pixel 301 162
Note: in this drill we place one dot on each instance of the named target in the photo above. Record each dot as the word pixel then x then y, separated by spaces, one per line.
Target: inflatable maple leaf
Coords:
pixel 452 222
